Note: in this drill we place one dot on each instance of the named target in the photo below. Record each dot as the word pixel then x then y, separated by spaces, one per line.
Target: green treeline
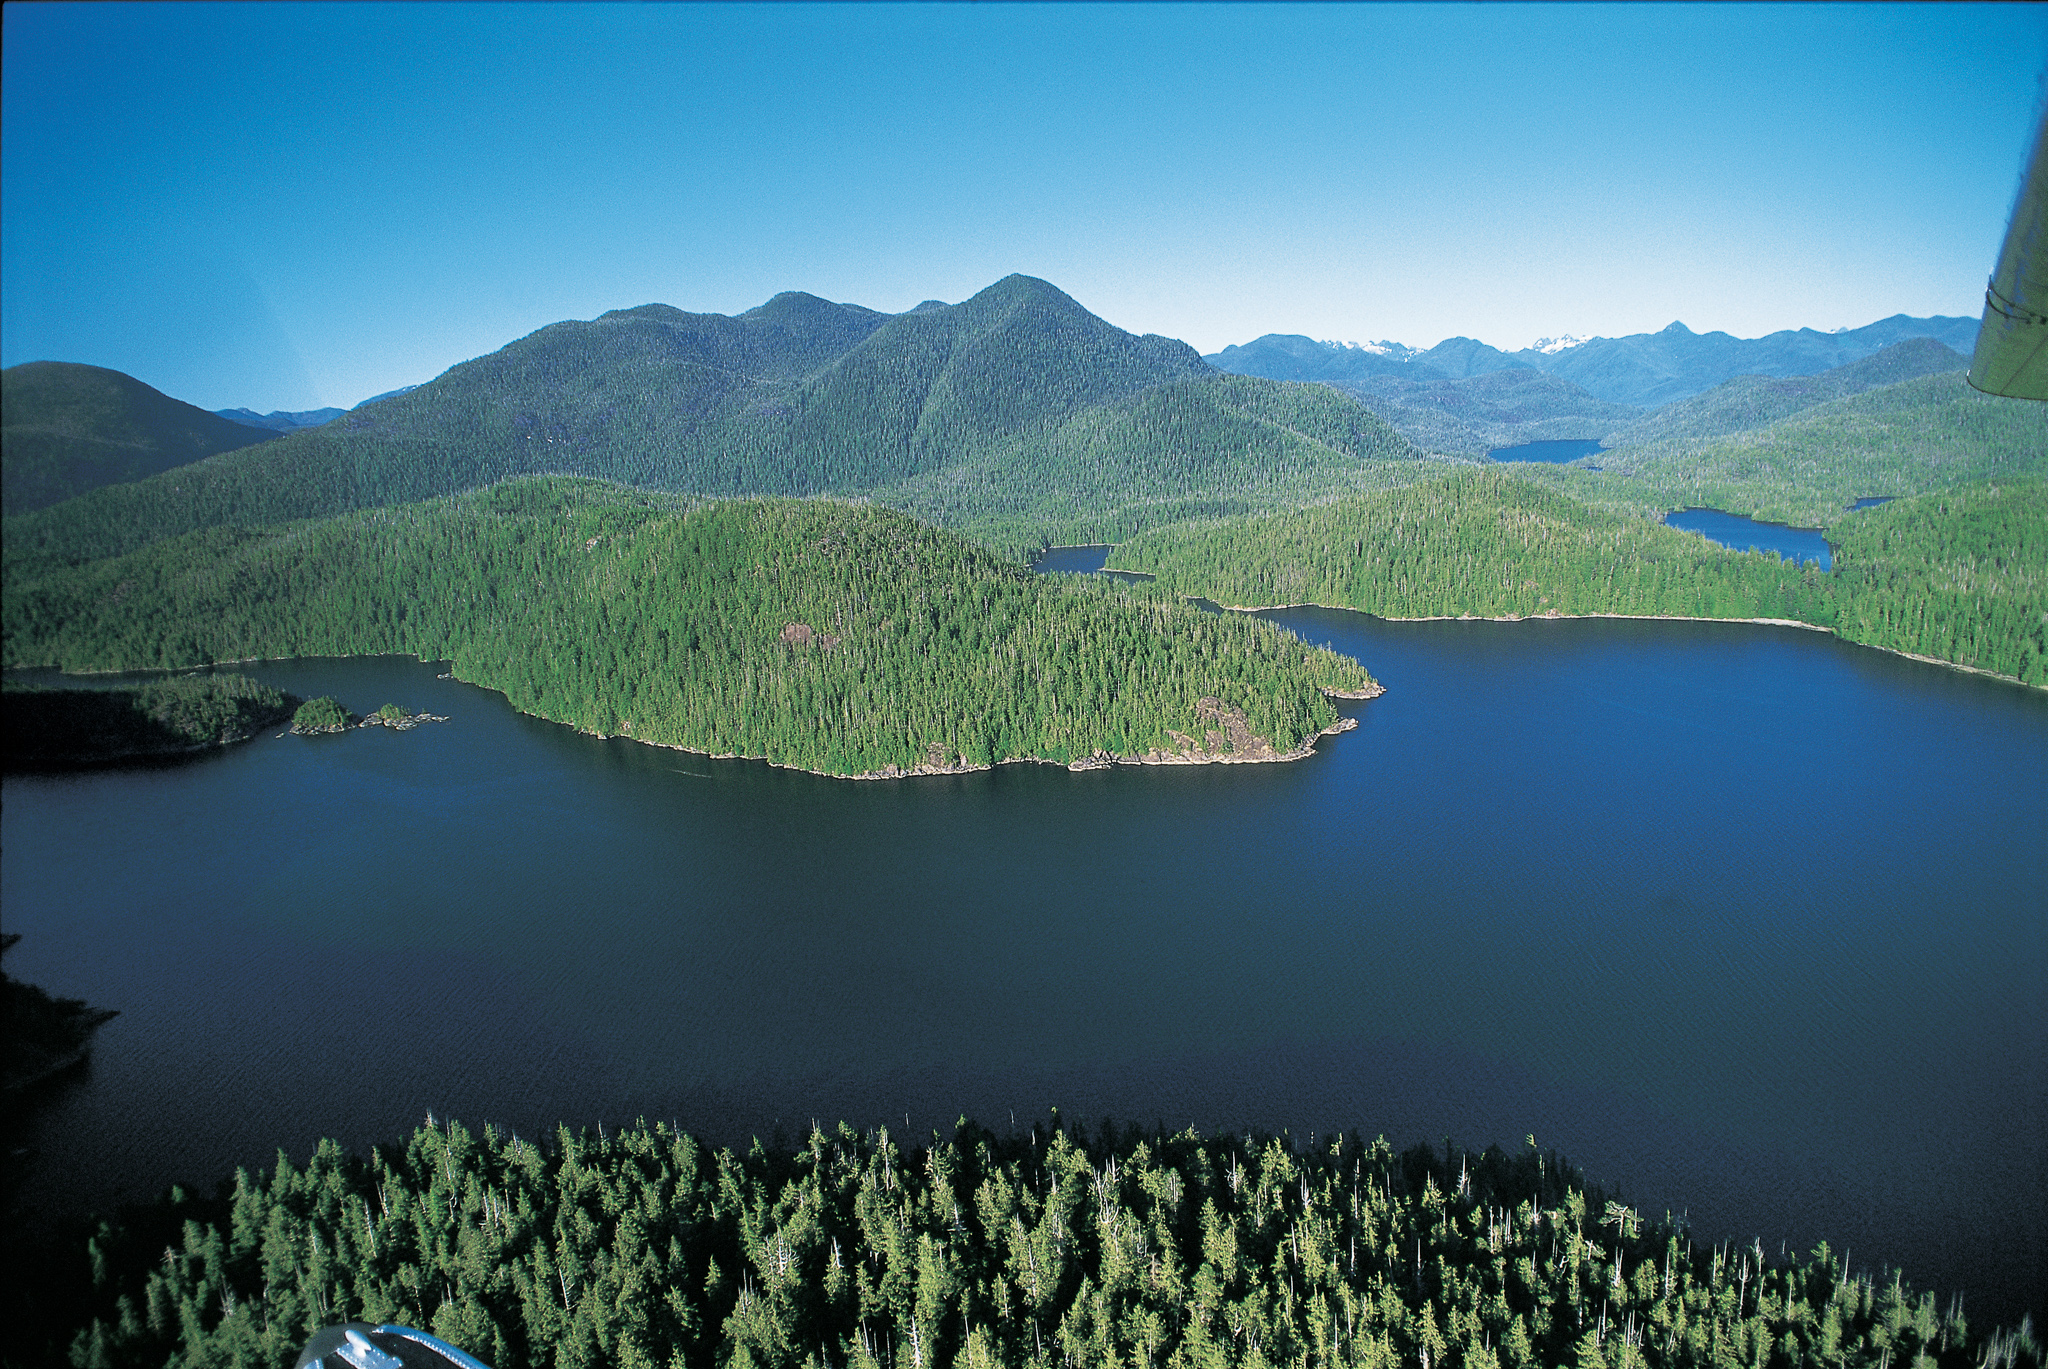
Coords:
pixel 160 717
pixel 645 1248
pixel 836 637
pixel 1960 575
pixel 1486 543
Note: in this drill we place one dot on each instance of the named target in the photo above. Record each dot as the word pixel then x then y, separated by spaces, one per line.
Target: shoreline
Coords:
pixel 1631 617
pixel 1099 760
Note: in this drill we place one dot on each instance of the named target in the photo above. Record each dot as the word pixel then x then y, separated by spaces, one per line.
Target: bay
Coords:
pixel 1742 919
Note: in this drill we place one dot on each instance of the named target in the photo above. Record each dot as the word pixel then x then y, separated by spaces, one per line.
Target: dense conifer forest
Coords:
pixel 1958 576
pixel 644 1247
pixel 835 637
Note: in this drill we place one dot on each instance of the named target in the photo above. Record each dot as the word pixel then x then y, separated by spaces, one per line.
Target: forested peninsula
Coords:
pixel 834 637
pixel 645 1247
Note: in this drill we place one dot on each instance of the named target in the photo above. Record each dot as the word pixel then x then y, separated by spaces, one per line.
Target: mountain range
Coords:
pixel 1016 414
pixel 1643 369
pixel 281 420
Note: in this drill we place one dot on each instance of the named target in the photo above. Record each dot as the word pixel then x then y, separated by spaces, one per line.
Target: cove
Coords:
pixel 1744 534
pixel 1742 919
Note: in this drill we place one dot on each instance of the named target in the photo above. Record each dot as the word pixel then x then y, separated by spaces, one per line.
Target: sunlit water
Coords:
pixel 1743 919
pixel 1734 531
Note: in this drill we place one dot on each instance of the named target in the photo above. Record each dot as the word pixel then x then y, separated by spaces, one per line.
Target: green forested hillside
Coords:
pixel 834 637
pixel 1959 576
pixel 1019 385
pixel 1170 452
pixel 1908 438
pixel 1484 543
pixel 645 1248
pixel 66 429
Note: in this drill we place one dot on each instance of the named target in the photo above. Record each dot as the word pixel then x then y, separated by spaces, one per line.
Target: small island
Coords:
pixel 323 715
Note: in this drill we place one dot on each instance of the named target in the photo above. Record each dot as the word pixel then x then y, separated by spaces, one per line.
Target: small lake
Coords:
pixel 1742 919
pixel 1744 534
pixel 1557 453
pixel 1088 560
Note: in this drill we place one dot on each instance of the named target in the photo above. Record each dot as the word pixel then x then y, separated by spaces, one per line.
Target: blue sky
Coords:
pixel 291 206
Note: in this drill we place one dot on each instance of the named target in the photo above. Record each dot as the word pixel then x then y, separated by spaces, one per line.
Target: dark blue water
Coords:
pixel 1743 534
pixel 1743 919
pixel 1088 560
pixel 1872 502
pixel 1557 452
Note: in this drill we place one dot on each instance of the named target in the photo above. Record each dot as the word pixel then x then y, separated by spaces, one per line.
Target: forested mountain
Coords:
pixel 835 637
pixel 66 429
pixel 1752 401
pixel 1644 369
pixel 1502 408
pixel 643 1247
pixel 1915 436
pixel 998 414
pixel 1960 575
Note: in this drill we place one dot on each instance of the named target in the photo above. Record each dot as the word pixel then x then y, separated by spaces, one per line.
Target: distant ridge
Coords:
pixel 280 420
pixel 67 429
pixel 1644 369
pixel 1752 401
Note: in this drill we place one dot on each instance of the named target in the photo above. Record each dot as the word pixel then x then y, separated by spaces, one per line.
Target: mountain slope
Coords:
pixel 1020 385
pixel 1753 401
pixel 1912 437
pixel 69 428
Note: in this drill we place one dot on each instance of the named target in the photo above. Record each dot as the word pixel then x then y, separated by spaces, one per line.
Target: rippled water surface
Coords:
pixel 1743 919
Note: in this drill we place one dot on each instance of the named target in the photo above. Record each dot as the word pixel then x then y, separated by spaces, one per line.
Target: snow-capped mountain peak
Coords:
pixel 1553 345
